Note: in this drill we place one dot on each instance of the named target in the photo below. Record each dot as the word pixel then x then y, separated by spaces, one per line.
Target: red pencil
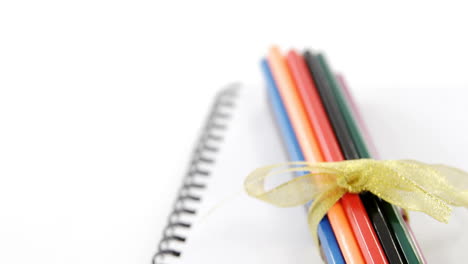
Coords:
pixel 356 213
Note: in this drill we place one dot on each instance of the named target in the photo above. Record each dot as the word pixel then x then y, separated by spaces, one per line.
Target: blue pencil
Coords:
pixel 327 238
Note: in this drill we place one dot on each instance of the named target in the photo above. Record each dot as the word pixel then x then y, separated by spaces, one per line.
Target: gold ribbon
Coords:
pixel 409 184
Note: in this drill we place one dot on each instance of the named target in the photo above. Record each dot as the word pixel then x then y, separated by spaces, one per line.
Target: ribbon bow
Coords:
pixel 409 184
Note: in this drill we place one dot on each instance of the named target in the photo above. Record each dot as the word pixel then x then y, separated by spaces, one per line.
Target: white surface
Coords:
pixel 101 101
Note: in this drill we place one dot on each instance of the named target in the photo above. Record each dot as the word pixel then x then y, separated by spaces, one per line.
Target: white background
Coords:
pixel 101 102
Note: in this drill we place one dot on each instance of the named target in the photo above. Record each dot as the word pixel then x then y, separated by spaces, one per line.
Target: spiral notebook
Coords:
pixel 214 221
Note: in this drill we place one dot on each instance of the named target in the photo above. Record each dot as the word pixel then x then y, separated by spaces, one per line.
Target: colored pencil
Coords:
pixel 311 150
pixel 357 114
pixel 354 209
pixel 328 243
pixel 366 135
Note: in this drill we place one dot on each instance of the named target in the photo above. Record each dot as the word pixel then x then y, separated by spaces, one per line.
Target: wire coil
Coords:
pixel 209 142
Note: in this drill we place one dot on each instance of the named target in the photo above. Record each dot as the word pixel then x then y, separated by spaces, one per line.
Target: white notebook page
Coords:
pixel 232 227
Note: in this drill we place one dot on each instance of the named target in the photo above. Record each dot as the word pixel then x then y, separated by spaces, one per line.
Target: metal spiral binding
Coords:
pixel 209 142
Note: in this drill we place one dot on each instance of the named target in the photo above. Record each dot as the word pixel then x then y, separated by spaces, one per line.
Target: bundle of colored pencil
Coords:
pixel 319 122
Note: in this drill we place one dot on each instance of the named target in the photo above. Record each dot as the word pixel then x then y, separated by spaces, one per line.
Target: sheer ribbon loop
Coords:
pixel 409 184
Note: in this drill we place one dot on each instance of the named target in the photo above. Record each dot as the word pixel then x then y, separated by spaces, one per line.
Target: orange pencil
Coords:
pixel 311 150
